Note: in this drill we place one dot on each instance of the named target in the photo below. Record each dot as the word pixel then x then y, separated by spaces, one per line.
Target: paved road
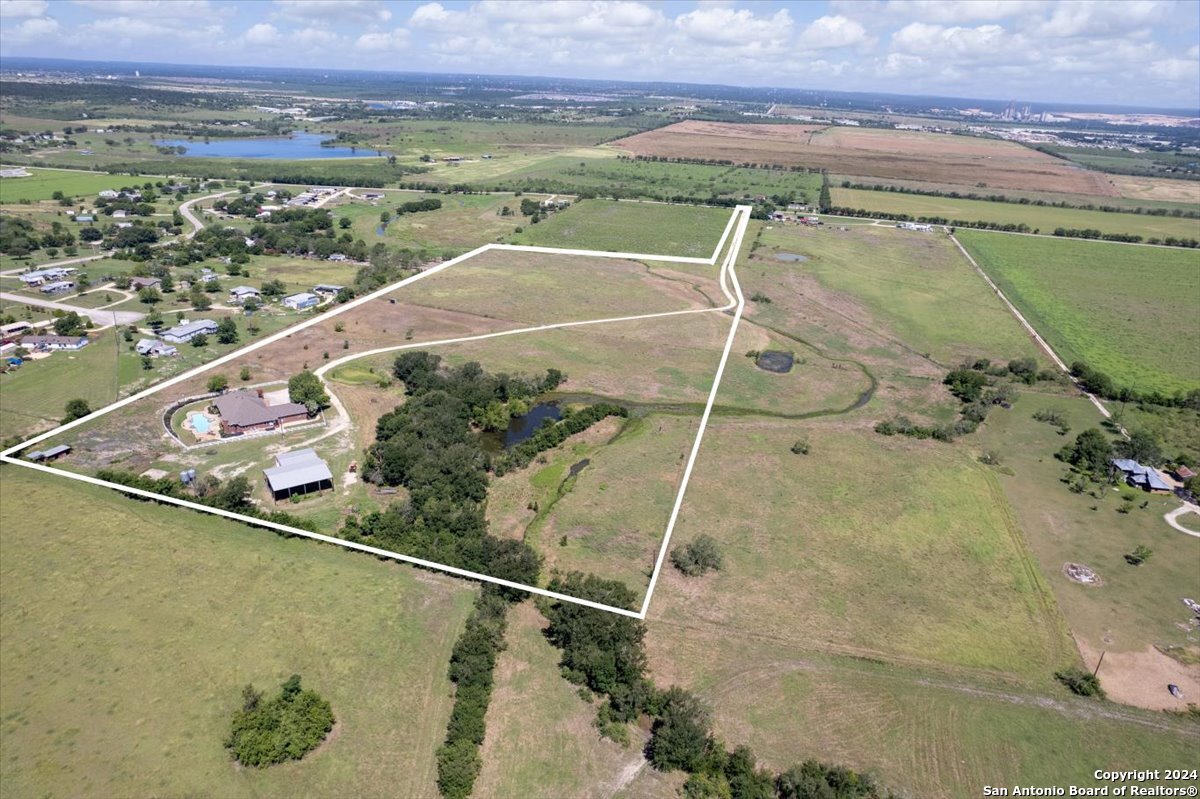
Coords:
pixel 100 317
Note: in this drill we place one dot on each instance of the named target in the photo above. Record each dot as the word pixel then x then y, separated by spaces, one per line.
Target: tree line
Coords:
pixel 605 652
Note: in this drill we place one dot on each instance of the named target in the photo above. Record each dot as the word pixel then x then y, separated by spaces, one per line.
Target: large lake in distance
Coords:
pixel 298 145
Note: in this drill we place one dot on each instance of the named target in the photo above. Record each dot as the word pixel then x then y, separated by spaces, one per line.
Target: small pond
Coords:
pixel 521 428
pixel 775 361
pixel 298 145
pixel 791 257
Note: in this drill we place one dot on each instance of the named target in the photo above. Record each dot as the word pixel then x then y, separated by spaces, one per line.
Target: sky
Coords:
pixel 1126 52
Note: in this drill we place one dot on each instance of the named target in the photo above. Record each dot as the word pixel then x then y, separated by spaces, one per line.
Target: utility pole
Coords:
pixel 1101 660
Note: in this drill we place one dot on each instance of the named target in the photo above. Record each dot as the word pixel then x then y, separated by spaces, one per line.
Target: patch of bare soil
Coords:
pixel 1141 678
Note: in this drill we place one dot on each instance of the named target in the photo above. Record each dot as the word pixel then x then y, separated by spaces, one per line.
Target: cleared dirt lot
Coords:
pixel 938 158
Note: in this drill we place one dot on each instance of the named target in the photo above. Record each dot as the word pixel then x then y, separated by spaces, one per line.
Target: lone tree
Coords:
pixel 286 727
pixel 69 324
pixel 76 409
pixel 306 389
pixel 698 556
pixel 227 332
pixel 218 383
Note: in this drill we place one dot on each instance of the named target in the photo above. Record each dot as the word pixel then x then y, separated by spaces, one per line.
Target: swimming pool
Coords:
pixel 199 423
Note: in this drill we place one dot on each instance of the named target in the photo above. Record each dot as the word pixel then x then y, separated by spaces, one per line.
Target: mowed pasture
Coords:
pixel 42 183
pixel 128 639
pixel 962 160
pixel 535 288
pixel 650 228
pixel 464 221
pixel 1040 218
pixel 919 734
pixel 913 288
pixel 1120 308
pixel 881 547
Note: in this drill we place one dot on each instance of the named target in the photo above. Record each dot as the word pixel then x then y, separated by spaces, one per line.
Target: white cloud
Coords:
pixel 306 11
pixel 10 9
pixel 36 29
pixel 830 32
pixel 741 27
pixel 383 41
pixel 261 34
pixel 935 41
pixel 171 9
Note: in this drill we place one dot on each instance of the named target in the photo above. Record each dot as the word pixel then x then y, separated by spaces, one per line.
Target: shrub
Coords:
pixel 800 447
pixel 1080 681
pixel 284 728
pixel 76 409
pixel 218 383
pixel 698 556
pixel 1140 554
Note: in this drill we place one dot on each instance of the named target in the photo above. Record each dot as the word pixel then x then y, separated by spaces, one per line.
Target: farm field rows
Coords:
pixel 1115 306
pixel 1042 218
pixel 140 629
pixel 962 160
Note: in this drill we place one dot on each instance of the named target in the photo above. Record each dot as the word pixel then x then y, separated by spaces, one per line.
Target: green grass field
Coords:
pixel 912 287
pixel 919 734
pixel 654 180
pixel 464 221
pixel 679 230
pixel 127 641
pixel 1043 218
pixel 1121 308
pixel 42 183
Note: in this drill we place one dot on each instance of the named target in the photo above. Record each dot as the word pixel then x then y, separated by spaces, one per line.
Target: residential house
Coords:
pixel 326 290
pixel 155 348
pixel 246 411
pixel 118 214
pixel 1144 477
pixel 51 343
pixel 58 286
pixel 239 294
pixel 189 330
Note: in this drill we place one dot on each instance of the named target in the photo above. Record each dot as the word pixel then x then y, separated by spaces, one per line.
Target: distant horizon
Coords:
pixel 1103 52
pixel 1046 105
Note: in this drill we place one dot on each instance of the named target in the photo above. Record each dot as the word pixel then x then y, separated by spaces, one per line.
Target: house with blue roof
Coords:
pixel 1139 476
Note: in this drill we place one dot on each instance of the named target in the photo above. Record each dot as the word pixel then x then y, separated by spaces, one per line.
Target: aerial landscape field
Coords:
pixel 456 432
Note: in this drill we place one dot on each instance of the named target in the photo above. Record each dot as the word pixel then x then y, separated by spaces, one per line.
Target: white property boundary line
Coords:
pixel 741 215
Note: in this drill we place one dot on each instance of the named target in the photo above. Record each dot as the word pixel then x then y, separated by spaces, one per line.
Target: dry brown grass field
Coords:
pixel 938 158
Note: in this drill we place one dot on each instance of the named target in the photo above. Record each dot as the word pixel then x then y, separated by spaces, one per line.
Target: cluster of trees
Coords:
pixel 605 652
pixel 721 162
pixel 374 174
pixel 19 237
pixel 1092 451
pixel 551 434
pixel 232 495
pixel 980 386
pixel 417 206
pixel 1103 386
pixel 1003 198
pixel 490 399
pixel 471 668
pixel 428 446
pixel 286 727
